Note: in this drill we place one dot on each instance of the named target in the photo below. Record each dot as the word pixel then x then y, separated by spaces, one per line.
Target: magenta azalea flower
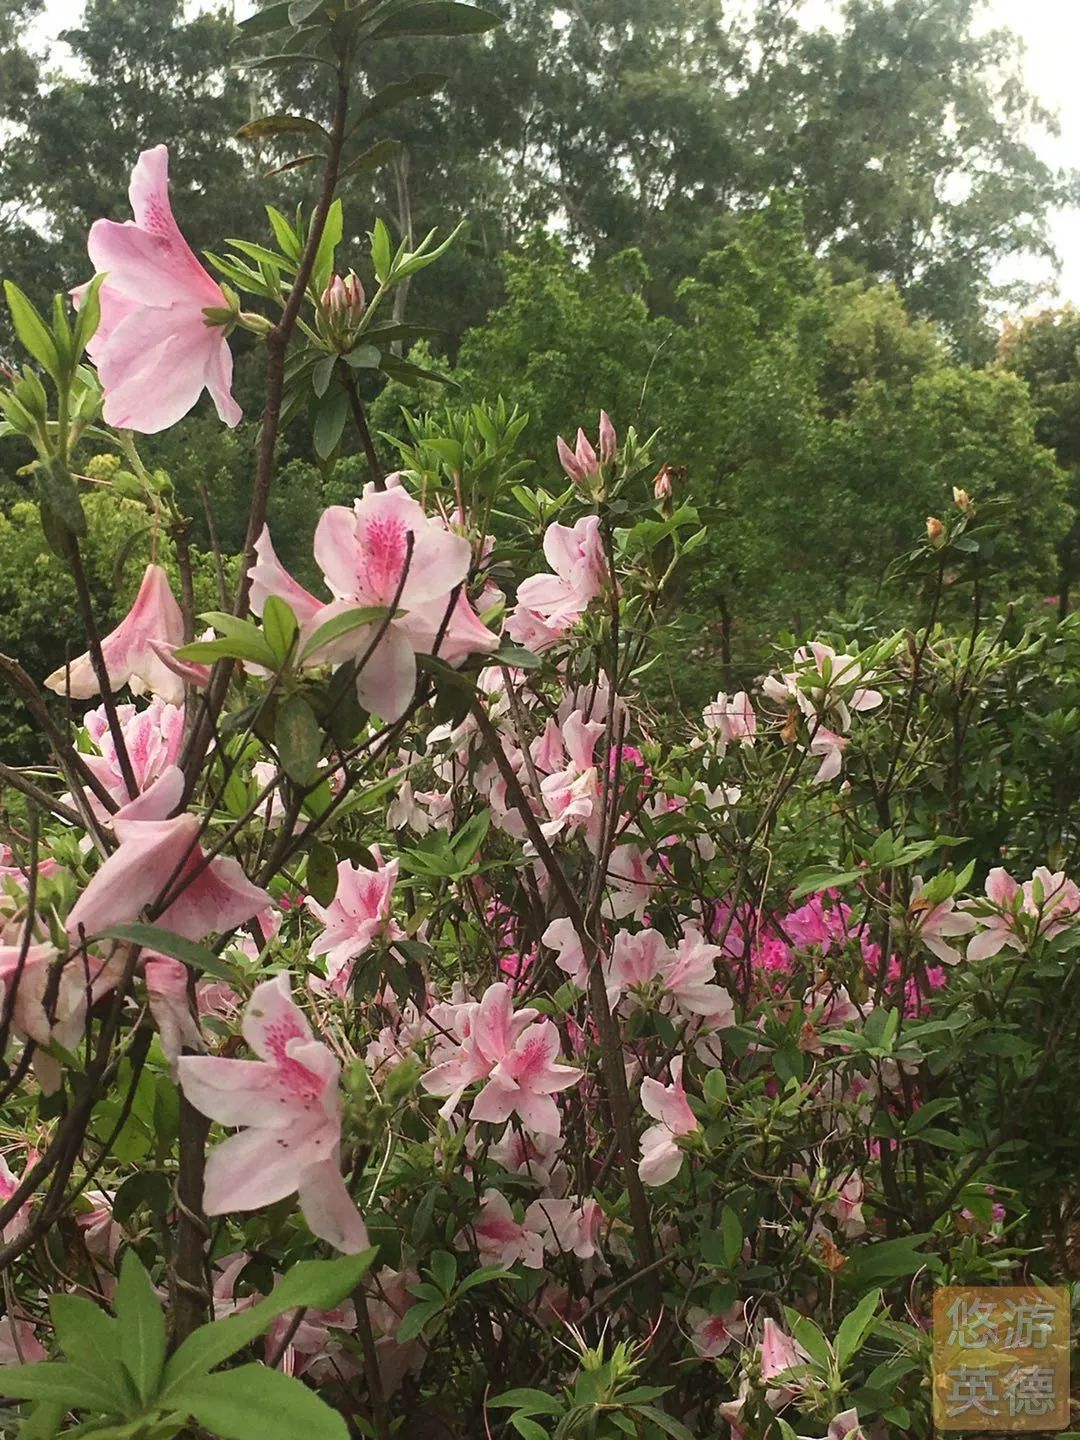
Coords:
pixel 289 1105
pixel 155 349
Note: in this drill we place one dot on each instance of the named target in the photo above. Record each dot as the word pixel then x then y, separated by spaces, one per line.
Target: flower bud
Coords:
pixel 609 441
pixel 935 530
pixel 586 456
pixel 344 300
pixel 662 486
pixel 568 461
pixel 961 499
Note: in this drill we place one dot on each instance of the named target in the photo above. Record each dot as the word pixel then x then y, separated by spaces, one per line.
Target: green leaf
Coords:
pixel 89 316
pixel 444 1270
pixel 177 947
pixel 56 489
pixel 398 91
pixel 437 17
pixel 363 357
pixel 328 243
pixel 280 627
pixel 471 836
pixel 322 374
pixel 318 1284
pixel 89 1339
pixel 254 1402
pixel 298 740
pixel 531 1402
pixel 141 1322
pixel 32 330
pixel 322 874
pixel 288 240
pixel 416 1317
pixel 663 1422
pixel 731 1231
pixel 281 125
pixel 150 1188
pixel 265 22
pixel 381 250
pixel 888 1260
pixel 855 1327
pixel 44 1422
pixel 58 1383
pixel 516 657
pixel 343 624
pixel 528 1429
pixel 381 153
pixel 330 419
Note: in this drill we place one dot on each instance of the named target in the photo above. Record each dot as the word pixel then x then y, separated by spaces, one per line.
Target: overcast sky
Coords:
pixel 1050 30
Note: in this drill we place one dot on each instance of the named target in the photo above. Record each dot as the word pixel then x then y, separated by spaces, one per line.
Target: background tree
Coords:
pixel 1045 350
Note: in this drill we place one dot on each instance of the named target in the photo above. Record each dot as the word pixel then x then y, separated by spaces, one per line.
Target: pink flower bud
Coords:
pixel 344 299
pixel 662 487
pixel 568 461
pixel 609 441
pixel 586 456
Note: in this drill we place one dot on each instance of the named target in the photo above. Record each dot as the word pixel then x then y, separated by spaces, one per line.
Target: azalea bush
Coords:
pixel 409 1024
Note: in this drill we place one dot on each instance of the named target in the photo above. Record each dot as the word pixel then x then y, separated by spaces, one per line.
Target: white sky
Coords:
pixel 1050 31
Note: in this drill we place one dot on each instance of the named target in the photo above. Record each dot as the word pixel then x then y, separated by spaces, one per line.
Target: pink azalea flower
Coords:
pixel 779 1352
pixel 731 720
pixel 128 651
pixel 154 349
pixel 1042 907
pixel 637 959
pixel 364 553
pixel 102 1234
pixel 831 748
pixel 9 1183
pixel 842 1427
pixel 499 1238
pixel 549 604
pixel 576 555
pixel 30 974
pixel 152 738
pixel 524 1080
pixel 288 1101
pixel 534 1155
pixel 156 855
pixel 477 1035
pixel 847 1207
pixel 571 794
pixel 561 936
pixel 712 1334
pixel 358 915
pixel 935 925
pixel 689 976
pixel 567 1226
pixel 632 881
pixel 661 1159
pixel 824 684
pixel 269 577
pixel 170 1005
